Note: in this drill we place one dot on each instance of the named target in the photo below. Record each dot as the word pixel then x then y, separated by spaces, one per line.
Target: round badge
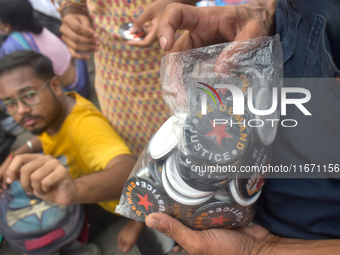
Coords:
pixel 221 215
pixel 178 197
pixel 164 141
pixel 155 167
pixel 181 212
pixel 223 195
pixel 177 182
pixel 144 197
pixel 268 130
pixel 217 138
pixel 125 33
pixel 197 180
pixel 246 189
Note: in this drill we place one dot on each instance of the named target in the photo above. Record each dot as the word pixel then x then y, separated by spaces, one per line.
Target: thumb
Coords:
pixel 171 228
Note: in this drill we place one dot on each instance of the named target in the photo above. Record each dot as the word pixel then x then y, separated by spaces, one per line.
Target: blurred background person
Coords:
pixel 25 32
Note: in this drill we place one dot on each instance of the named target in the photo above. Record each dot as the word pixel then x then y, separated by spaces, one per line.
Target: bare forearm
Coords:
pixel 104 185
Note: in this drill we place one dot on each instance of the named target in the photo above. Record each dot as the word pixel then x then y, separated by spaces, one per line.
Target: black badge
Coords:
pixel 221 215
pixel 216 138
pixel 155 167
pixel 144 197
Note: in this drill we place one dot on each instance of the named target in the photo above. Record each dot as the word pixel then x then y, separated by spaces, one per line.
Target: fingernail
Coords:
pixel 163 41
pixel 152 222
pixel 95 35
pixel 125 249
pixel 29 193
pixel 221 68
pixel 8 180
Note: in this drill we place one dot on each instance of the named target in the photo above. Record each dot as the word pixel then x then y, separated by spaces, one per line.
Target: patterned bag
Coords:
pixel 34 226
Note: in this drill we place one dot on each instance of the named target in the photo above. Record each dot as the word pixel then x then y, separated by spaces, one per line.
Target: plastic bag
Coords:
pixel 203 165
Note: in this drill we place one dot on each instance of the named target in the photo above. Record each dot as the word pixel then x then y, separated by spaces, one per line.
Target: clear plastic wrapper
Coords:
pixel 199 166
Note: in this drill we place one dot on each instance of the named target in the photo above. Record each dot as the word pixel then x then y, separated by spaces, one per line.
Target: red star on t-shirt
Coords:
pixel 144 201
pixel 219 132
pixel 218 220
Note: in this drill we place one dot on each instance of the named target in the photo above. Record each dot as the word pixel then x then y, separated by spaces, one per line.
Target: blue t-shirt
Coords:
pixel 307 208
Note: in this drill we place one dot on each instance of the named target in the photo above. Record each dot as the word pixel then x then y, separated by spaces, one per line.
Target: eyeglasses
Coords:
pixel 29 98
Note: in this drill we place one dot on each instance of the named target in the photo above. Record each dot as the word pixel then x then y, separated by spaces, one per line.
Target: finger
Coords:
pixel 228 59
pixel 178 248
pixel 3 169
pixel 13 170
pixel 86 47
pixel 27 171
pixel 140 21
pixel 75 36
pixel 79 55
pixel 80 25
pixel 184 42
pixel 176 16
pixel 171 228
pixel 147 41
pixel 49 181
pixel 42 172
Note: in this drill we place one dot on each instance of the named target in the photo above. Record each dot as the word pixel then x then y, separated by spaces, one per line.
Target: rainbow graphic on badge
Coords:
pixel 204 98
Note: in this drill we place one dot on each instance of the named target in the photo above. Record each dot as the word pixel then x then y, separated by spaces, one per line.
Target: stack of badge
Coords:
pixel 176 177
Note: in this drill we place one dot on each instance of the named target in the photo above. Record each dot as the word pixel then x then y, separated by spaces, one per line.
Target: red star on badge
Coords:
pixel 144 201
pixel 218 132
pixel 222 90
pixel 218 220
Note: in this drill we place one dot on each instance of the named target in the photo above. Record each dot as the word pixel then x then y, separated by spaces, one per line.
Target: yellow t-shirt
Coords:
pixel 86 142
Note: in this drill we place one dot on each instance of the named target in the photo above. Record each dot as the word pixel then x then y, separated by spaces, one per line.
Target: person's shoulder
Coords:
pixel 84 110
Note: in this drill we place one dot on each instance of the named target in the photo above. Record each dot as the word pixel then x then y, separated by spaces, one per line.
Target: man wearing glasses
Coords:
pixel 68 126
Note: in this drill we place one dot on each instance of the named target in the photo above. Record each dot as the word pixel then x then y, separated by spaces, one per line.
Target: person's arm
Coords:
pixel 152 16
pixel 31 146
pixel 105 185
pixel 77 30
pixel 252 240
pixel 211 25
pixel 47 178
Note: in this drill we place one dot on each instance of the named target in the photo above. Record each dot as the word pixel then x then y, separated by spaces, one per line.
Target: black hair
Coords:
pixel 19 14
pixel 41 65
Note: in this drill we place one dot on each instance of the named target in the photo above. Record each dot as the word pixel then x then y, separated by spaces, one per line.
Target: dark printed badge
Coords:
pixel 221 215
pixel 217 137
pixel 182 213
pixel 144 197
pixel 245 190
pixel 125 33
pixel 155 167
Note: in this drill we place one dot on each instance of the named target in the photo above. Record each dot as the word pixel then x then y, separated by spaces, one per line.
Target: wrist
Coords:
pixel 77 196
pixel 267 245
pixel 269 5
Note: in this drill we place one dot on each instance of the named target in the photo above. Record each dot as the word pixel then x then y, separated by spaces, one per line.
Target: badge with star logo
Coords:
pixel 217 137
pixel 221 215
pixel 144 197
